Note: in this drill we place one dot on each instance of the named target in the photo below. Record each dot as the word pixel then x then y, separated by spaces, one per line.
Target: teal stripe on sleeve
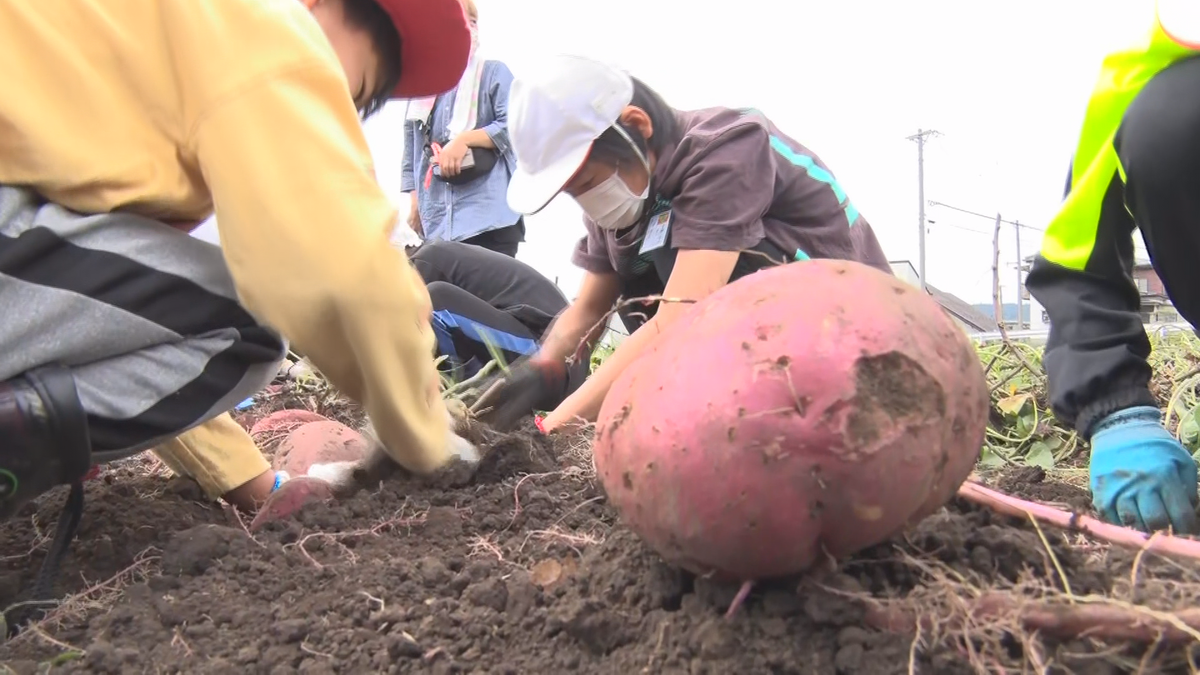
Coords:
pixel 818 174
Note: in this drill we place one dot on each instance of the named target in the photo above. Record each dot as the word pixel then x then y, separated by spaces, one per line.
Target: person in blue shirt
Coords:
pixel 457 160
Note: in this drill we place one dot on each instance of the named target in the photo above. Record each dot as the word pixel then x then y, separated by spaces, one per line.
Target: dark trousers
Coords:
pixel 481 298
pixel 1097 350
pixel 504 240
pixel 465 325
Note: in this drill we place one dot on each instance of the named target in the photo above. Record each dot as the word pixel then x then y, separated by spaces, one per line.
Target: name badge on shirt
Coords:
pixel 656 232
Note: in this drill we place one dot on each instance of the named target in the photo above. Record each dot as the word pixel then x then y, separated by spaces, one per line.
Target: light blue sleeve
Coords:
pixel 408 182
pixel 496 81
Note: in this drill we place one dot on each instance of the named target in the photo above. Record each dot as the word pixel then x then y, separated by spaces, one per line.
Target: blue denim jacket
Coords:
pixel 458 212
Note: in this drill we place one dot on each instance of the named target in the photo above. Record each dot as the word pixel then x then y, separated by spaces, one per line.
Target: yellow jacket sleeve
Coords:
pixel 218 454
pixel 305 229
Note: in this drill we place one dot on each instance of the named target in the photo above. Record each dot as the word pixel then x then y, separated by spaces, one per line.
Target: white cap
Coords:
pixel 555 112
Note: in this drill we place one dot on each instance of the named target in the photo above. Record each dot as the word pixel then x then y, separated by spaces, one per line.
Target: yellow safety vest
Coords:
pixel 1071 235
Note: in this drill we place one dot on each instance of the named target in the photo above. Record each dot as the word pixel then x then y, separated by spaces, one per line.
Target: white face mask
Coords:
pixel 611 204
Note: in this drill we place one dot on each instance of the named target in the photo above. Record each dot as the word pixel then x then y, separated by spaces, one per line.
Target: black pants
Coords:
pixel 503 240
pixel 480 297
pixel 464 325
pixel 1097 350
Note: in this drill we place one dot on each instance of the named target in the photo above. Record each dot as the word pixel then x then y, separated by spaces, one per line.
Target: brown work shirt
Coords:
pixel 735 182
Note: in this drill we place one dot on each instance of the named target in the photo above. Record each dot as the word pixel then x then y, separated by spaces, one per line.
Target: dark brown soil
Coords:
pixel 1031 482
pixel 519 568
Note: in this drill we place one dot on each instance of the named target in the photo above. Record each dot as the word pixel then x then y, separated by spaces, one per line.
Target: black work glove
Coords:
pixel 528 386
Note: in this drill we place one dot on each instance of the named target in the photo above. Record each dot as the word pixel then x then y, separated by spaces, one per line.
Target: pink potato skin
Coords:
pixel 290 498
pixel 323 442
pixel 283 420
pixel 805 411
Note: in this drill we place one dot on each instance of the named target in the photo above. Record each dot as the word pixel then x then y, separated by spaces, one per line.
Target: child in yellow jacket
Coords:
pixel 126 124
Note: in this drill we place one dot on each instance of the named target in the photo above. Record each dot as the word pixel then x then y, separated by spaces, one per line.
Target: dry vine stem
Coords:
pixel 1098 620
pixel 1114 534
pixel 593 333
pixel 997 306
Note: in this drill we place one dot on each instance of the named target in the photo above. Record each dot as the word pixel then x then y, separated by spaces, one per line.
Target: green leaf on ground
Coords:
pixel 1040 454
pixel 990 459
pixel 1189 430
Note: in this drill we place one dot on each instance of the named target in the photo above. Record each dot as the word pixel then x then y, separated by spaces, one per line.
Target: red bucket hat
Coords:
pixel 435 42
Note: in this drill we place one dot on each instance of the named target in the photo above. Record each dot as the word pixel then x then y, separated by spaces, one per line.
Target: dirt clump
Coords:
pixel 1033 483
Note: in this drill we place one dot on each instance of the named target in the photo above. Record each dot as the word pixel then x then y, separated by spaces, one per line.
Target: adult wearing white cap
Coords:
pixel 676 203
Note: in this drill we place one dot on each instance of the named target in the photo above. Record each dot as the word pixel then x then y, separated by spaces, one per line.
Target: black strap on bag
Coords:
pixel 477 163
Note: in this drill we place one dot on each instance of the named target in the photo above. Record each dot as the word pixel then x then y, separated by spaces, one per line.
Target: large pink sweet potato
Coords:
pixel 808 410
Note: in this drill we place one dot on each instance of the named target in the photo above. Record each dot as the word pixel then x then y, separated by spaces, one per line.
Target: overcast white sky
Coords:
pixel 1005 83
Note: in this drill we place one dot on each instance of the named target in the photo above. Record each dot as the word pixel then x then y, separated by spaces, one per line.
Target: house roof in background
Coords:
pixel 956 306
pixel 963 311
pixel 903 263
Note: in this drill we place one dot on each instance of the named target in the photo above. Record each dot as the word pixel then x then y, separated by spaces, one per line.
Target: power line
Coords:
pixel 1017 227
pixel 991 218
pixel 959 227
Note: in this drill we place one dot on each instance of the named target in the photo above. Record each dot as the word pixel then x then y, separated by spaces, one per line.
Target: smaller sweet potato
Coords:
pixel 283 421
pixel 323 442
pixel 290 498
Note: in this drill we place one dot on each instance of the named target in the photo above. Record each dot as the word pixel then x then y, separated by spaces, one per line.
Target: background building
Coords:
pixel 969 318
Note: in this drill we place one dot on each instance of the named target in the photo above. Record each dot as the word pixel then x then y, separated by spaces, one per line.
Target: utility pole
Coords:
pixel 920 138
pixel 997 303
pixel 1020 281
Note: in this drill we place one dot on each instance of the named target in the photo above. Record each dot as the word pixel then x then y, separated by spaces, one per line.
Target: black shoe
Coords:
pixel 43 444
pixel 43 436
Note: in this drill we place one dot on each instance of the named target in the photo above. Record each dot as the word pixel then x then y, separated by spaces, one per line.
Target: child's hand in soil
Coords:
pixel 1140 475
pixel 377 464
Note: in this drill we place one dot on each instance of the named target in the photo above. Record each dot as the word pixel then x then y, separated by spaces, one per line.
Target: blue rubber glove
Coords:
pixel 1140 475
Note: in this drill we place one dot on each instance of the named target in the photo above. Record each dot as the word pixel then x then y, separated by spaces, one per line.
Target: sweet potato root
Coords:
pixel 1099 620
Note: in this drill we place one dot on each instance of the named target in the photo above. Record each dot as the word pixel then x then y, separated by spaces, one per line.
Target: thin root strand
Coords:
pixel 739 599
